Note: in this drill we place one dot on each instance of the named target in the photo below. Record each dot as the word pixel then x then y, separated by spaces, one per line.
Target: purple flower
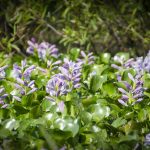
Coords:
pixel 146 63
pixel 134 92
pixel 147 140
pixel 128 63
pixel 116 66
pixel 23 72
pixel 23 85
pixel 71 72
pixel 53 65
pixel 44 49
pixel 28 71
pixel 2 71
pixel 57 86
pixel 123 64
pixel 3 96
pixel 87 59
pixel 32 46
pixel 138 65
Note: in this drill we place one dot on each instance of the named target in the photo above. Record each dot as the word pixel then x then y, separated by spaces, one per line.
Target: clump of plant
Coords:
pixel 51 100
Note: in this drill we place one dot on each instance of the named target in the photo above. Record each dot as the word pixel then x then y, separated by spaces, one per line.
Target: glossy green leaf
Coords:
pixel 105 58
pixel 67 124
pixel 11 124
pixel 74 53
pixel 98 112
pixel 110 89
pixel 118 122
pixel 98 69
pixel 96 82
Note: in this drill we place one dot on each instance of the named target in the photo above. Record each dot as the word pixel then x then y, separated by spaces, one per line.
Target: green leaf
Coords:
pixel 110 89
pixel 11 124
pixel 35 112
pixel 126 138
pixel 40 81
pixel 86 117
pixel 4 133
pixel 105 58
pixel 118 122
pixel 47 105
pixel 142 115
pixel 74 53
pixel 4 113
pixel 98 69
pixel 89 100
pixel 96 82
pixel 98 112
pixel 20 110
pixel 27 100
pixel 67 124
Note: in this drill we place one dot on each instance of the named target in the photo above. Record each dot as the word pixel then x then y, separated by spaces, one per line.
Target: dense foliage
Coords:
pixel 97 25
pixel 50 100
pixel 75 94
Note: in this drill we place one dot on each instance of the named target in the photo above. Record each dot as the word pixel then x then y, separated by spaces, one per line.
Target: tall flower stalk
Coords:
pixel 57 87
pixel 44 50
pixel 86 59
pixel 134 92
pixel 140 64
pixel 72 73
pixel 24 85
pixel 64 82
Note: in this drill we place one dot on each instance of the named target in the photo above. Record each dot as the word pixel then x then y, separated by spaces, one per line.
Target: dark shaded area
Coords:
pixel 97 25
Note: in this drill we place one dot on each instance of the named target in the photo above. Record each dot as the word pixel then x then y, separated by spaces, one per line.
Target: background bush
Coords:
pixel 97 25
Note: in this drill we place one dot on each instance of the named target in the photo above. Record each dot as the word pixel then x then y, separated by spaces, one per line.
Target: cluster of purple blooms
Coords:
pixel 140 64
pixel 86 59
pixel 50 66
pixel 134 92
pixel 65 81
pixel 23 84
pixel 44 49
pixel 57 86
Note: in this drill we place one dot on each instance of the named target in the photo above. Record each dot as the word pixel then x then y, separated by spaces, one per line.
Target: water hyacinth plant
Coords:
pixel 23 71
pixel 32 46
pixel 24 85
pixel 140 64
pixel 57 86
pixel 44 50
pixel 71 72
pixel 134 93
pixel 87 59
